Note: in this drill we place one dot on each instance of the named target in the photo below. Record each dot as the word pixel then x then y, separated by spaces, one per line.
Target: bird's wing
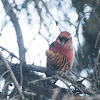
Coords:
pixel 57 60
pixel 52 45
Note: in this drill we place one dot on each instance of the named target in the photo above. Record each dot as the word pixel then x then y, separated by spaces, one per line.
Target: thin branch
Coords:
pixel 81 76
pixel 21 75
pixel 5 88
pixel 29 93
pixel 12 76
pixel 9 10
pixel 42 79
pixel 97 39
pixel 31 41
pixel 11 54
pixel 97 59
pixel 77 29
pixel 4 74
pixel 82 88
pixel 73 84
pixel 98 20
pixel 55 94
pixel 45 86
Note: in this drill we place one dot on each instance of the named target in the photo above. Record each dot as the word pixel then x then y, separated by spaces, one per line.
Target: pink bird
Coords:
pixel 60 53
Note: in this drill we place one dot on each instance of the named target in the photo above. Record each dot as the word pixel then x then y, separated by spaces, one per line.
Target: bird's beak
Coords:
pixel 62 42
pixel 59 41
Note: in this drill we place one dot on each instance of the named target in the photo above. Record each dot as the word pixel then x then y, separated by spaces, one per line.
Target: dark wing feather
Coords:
pixel 52 45
pixel 57 61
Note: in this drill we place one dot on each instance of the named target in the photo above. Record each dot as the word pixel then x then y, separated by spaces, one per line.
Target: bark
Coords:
pixel 9 10
pixel 36 85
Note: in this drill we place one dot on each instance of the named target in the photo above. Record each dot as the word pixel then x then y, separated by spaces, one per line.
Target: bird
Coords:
pixel 60 53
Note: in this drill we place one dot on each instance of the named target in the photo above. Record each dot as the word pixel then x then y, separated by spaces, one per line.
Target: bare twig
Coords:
pixel 41 85
pixel 55 94
pixel 31 41
pixel 9 10
pixel 11 54
pixel 42 79
pixel 29 93
pixel 97 59
pixel 97 39
pixel 81 76
pixel 77 29
pixel 21 75
pixel 98 20
pixel 77 84
pixel 4 74
pixel 74 83
pixel 12 76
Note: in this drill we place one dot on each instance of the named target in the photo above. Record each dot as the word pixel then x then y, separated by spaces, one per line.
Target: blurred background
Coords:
pixel 39 22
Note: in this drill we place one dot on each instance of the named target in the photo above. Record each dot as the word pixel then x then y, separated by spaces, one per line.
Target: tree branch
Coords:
pixel 12 75
pixel 9 10
pixel 36 84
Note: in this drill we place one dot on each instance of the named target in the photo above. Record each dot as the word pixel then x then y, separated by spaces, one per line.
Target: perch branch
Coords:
pixel 44 86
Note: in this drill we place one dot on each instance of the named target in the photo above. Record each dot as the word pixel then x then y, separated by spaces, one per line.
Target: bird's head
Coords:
pixel 65 39
pixel 63 46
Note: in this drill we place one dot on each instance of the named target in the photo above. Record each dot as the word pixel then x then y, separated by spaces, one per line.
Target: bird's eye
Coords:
pixel 63 40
